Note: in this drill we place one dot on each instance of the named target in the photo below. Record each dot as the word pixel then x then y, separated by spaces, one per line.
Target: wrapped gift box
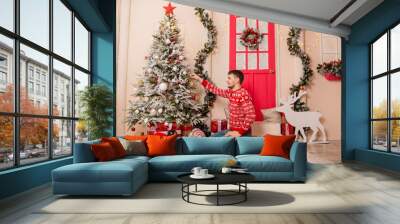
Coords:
pixel 218 125
pixel 164 128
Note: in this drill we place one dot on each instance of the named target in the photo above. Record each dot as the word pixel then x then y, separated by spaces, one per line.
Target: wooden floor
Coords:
pixel 378 189
pixel 324 153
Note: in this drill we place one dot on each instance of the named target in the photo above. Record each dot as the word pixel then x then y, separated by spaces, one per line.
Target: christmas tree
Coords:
pixel 165 93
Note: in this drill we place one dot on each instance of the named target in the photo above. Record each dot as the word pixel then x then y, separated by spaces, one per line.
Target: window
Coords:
pixel 37 75
pixel 3 78
pixel 62 29
pixel 41 124
pixel 62 137
pixel 7 14
pixel 35 21
pixel 81 81
pixel 30 87
pixel 3 61
pixel 3 72
pixel 61 73
pixel 385 94
pixel 30 72
pixel 81 45
pixel 44 91
pixel 38 89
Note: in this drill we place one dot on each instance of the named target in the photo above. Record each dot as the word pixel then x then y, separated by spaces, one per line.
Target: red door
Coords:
pixel 257 65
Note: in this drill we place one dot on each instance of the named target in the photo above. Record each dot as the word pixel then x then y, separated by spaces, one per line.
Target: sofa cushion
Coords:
pixel 257 163
pixel 210 145
pixel 103 152
pixel 134 147
pixel 277 145
pixel 249 145
pixel 116 145
pixel 112 171
pixel 185 163
pixel 161 145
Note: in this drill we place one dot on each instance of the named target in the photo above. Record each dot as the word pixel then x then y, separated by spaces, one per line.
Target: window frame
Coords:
pixel 388 74
pixel 16 114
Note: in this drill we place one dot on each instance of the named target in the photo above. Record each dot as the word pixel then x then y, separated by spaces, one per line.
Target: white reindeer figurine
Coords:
pixel 301 120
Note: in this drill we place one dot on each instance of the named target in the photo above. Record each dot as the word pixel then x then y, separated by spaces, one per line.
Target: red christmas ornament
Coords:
pixel 169 9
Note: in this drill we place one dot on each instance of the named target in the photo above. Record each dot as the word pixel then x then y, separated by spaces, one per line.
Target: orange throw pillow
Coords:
pixel 116 145
pixel 103 152
pixel 161 145
pixel 275 145
pixel 136 137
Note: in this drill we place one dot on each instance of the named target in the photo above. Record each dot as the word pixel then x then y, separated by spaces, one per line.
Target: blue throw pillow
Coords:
pixel 249 145
pixel 209 145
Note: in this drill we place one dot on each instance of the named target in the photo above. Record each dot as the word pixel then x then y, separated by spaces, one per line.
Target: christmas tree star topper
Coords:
pixel 169 9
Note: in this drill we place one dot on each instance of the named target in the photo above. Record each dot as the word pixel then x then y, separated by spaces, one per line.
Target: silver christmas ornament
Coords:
pixel 163 86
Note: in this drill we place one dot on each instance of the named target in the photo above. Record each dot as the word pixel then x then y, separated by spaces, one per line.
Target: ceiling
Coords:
pixel 326 16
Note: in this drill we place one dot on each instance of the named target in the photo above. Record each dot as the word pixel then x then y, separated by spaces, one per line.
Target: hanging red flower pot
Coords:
pixel 332 76
pixel 331 70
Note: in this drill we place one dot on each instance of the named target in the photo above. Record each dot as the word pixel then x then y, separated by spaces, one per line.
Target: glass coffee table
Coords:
pixel 238 179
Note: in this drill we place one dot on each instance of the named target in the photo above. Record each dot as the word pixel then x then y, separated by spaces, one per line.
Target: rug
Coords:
pixel 166 198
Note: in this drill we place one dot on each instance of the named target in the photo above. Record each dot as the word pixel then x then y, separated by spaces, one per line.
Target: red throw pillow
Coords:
pixel 116 145
pixel 275 145
pixel 103 152
pixel 161 145
pixel 136 137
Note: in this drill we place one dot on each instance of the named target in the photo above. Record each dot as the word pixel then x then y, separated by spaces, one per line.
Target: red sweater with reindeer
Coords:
pixel 241 108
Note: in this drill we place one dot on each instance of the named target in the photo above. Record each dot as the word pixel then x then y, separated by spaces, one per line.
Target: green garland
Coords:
pixel 202 55
pixel 294 49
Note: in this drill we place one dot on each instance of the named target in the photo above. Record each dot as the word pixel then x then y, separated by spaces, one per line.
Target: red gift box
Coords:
pixel 218 125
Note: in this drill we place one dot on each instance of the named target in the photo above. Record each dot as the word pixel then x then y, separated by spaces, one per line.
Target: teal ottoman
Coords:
pixel 118 177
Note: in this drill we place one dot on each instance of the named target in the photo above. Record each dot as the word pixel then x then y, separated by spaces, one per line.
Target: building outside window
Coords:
pixel 3 72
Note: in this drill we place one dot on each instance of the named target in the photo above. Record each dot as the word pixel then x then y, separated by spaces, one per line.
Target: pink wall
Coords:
pixel 138 20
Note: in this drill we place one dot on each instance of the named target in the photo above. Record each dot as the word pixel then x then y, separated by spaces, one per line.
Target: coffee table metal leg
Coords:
pixel 245 193
pixel 188 189
pixel 217 194
pixel 195 188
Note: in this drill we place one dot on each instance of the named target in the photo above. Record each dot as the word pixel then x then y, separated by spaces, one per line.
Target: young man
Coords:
pixel 241 108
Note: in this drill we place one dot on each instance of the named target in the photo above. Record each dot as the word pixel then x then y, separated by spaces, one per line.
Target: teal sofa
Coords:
pixel 125 176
